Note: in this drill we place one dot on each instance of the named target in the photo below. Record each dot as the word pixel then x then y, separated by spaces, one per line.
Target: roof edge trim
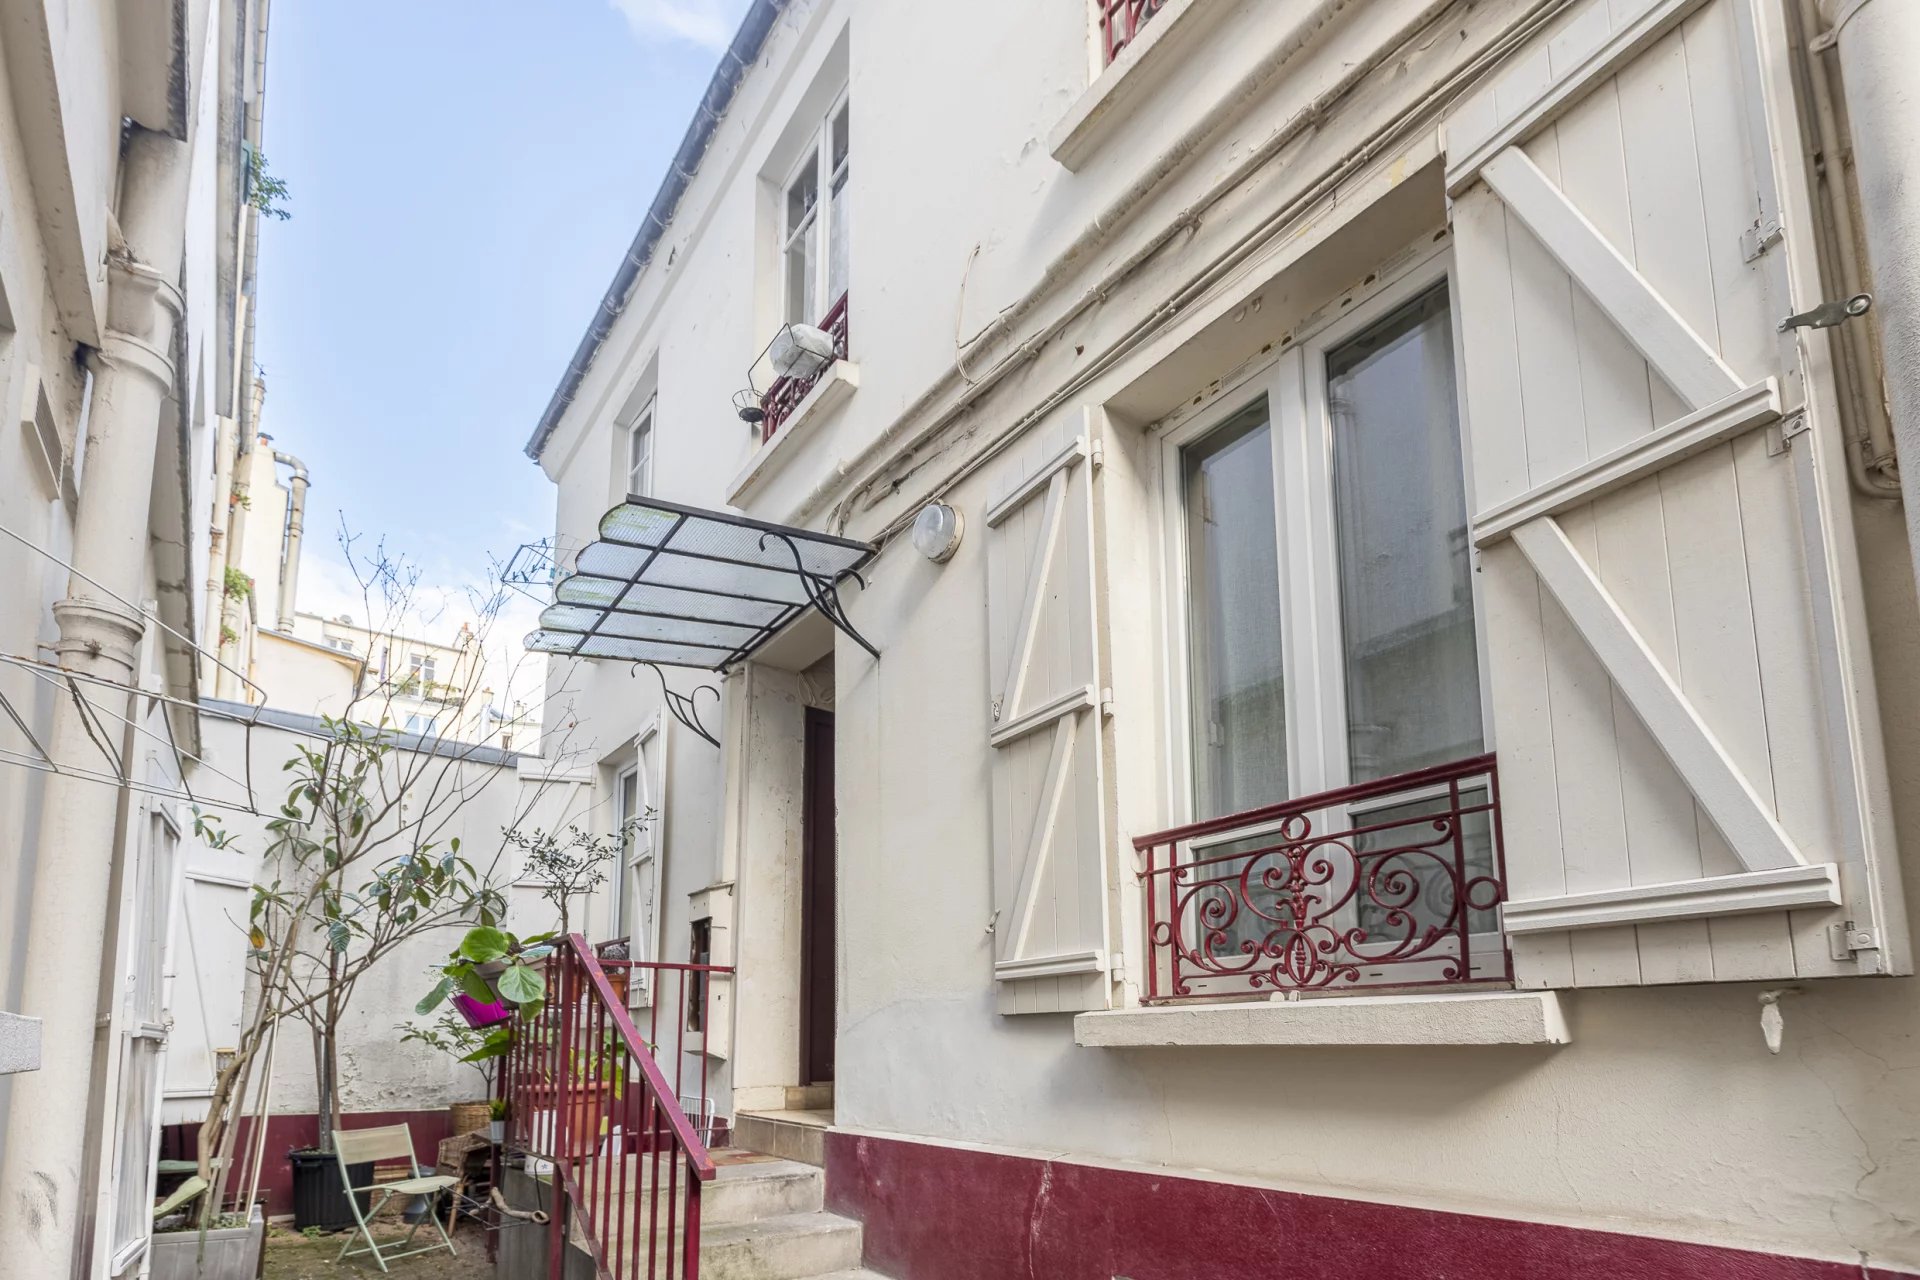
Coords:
pixel 727 77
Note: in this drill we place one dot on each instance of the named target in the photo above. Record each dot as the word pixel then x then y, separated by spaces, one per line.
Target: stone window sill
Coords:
pixel 828 394
pixel 1470 1018
pixel 1103 109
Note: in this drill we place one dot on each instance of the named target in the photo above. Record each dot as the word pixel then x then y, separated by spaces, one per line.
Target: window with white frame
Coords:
pixel 142 1018
pixel 814 232
pixel 1330 612
pixel 639 452
pixel 420 672
pixel 635 907
pixel 1330 642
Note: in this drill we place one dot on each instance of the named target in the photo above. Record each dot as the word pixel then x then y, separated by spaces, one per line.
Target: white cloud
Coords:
pixel 708 23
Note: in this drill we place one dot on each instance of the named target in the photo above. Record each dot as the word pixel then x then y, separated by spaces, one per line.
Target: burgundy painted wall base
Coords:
pixel 290 1132
pixel 942 1213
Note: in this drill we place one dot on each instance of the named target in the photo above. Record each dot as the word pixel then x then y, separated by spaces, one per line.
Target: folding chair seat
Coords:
pixel 390 1142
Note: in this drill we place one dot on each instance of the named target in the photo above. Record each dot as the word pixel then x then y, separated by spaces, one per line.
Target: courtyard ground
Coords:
pixel 292 1256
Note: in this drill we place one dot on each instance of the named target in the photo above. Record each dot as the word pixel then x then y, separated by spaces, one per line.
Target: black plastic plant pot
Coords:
pixel 318 1198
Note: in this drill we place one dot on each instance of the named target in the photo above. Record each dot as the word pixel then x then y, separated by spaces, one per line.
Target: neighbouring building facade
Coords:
pixel 1373 733
pixel 129 161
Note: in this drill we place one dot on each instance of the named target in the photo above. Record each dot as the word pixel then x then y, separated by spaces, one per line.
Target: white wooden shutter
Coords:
pixel 210 978
pixel 1691 770
pixel 1049 845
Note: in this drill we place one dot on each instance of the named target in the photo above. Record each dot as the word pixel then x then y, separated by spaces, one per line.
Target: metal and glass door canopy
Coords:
pixel 686 587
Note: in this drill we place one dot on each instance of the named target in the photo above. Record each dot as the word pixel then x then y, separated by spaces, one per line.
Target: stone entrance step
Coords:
pixel 791 1135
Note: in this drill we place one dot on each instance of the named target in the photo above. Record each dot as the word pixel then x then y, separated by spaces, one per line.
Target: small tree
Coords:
pixel 570 868
pixel 361 858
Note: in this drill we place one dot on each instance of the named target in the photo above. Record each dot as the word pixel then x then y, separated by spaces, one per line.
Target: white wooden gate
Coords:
pixel 1683 703
pixel 1049 841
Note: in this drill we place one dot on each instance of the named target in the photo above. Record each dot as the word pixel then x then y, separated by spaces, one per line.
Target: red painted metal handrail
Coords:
pixel 786 394
pixel 588 1097
pixel 1394 882
pixel 1121 21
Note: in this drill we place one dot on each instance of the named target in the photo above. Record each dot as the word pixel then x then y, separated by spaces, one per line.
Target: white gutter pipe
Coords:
pixel 290 545
pixel 42 1200
pixel 1879 47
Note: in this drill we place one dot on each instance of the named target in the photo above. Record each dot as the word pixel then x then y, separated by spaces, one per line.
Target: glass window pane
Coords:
pixel 841 139
pixel 1400 511
pixel 639 453
pixel 802 267
pixel 837 248
pixel 1239 702
pixel 802 196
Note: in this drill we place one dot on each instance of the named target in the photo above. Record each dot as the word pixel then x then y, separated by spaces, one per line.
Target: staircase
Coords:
pixel 764 1221
pixel 629 1178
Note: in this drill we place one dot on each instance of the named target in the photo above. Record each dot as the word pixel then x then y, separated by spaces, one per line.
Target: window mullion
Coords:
pixel 1298 531
pixel 823 220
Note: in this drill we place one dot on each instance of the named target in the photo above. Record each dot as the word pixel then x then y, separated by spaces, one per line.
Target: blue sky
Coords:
pixel 464 176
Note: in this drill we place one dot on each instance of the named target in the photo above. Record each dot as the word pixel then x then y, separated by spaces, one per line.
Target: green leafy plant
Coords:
pixel 498 1108
pixel 237 584
pixel 492 965
pixel 572 867
pixel 264 191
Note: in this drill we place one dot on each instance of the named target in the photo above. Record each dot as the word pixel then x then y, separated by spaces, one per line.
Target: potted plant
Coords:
pixel 226 1248
pixel 497 1110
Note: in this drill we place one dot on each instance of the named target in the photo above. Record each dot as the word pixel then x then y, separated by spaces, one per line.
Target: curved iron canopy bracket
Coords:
pixel 824 593
pixel 685 707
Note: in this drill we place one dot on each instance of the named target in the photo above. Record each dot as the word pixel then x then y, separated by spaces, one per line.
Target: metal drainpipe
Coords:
pixel 43 1208
pixel 290 546
pixel 1879 47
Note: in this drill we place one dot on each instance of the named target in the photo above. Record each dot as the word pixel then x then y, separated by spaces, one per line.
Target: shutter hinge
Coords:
pixel 1760 237
pixel 1844 941
pixel 996 707
pixel 1097 453
pixel 1792 426
pixel 1106 704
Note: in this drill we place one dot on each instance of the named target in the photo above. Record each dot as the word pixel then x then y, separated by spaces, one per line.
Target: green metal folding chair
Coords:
pixel 391 1142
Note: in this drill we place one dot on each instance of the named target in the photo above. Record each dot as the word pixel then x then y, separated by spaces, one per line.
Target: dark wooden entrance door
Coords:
pixel 817 884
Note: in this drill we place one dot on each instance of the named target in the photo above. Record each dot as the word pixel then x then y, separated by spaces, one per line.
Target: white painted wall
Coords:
pixel 1666 1115
pixel 379 1071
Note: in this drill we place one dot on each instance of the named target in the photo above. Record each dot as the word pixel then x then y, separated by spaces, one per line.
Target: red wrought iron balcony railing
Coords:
pixel 786 394
pixel 1393 883
pixel 1121 22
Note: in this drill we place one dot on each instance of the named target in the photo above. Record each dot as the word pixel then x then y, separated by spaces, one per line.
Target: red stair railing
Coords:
pixel 589 1100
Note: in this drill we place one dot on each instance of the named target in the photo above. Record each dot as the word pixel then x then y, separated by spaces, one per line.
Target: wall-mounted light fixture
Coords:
pixel 937 531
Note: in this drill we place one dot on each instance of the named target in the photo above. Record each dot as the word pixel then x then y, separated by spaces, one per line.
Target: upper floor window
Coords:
pixel 1334 714
pixel 420 670
pixel 814 232
pixel 1121 21
pixel 639 453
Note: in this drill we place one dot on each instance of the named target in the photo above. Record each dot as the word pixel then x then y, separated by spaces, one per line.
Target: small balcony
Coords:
pixel 1394 883
pixel 788 393
pixel 1122 20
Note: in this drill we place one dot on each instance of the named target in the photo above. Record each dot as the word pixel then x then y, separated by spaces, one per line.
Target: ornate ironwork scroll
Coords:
pixel 1389 883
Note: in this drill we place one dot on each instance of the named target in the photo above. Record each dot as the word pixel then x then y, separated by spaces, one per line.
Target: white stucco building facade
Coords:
pixel 126 298
pixel 1380 435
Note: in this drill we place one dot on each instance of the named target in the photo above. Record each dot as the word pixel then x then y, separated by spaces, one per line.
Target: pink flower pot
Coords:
pixel 481 1016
